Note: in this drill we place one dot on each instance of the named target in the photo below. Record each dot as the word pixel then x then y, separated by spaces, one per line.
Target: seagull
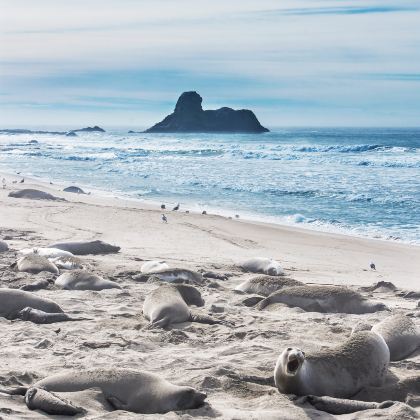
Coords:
pixel 372 266
pixel 164 219
pixel 162 206
pixel 22 181
pixel 176 207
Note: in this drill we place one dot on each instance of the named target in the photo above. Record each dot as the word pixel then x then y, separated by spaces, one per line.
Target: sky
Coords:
pixel 293 62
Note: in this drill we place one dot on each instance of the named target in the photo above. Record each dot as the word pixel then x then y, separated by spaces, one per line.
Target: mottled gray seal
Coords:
pixel 153 266
pixel 168 304
pixel 124 389
pixel 337 299
pixel 74 189
pixel 266 285
pixel 263 266
pixel 172 275
pixel 83 280
pixel 46 252
pixel 86 247
pixel 32 194
pixel 399 332
pixel 13 301
pixel 340 372
pixel 34 264
pixel 3 246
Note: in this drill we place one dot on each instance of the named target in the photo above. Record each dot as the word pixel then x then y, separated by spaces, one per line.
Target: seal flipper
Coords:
pixel 162 323
pixel 117 404
pixel 204 319
pixel 341 406
pixel 40 399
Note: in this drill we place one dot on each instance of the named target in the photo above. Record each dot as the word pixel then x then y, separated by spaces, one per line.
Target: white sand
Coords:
pixel 199 355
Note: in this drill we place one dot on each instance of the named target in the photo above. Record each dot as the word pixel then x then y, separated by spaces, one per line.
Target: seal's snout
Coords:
pixel 294 361
pixel 199 398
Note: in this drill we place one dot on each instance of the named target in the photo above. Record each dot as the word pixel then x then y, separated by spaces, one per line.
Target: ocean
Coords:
pixel 357 181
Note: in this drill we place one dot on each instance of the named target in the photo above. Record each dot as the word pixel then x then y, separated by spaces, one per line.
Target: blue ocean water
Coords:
pixel 356 181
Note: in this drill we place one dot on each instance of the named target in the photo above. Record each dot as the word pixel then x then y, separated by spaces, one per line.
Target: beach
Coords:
pixel 206 357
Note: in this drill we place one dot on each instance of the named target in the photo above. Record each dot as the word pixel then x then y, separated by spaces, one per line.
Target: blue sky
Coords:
pixel 294 62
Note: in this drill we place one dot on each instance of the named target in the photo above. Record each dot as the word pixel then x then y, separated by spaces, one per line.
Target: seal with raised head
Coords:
pixel 87 247
pixel 168 304
pixel 83 280
pixel 12 301
pixel 336 299
pixel 153 266
pixel 362 360
pixel 34 264
pixel 124 389
pixel 262 265
pixel 265 285
pixel 172 275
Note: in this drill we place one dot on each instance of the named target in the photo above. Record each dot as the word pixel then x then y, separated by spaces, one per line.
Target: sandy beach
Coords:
pixel 207 357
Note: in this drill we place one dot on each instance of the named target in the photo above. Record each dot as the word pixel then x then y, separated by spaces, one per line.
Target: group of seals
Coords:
pixel 32 194
pixel 168 304
pixel 124 389
pixel 83 280
pixel 87 247
pixel 336 299
pixel 263 266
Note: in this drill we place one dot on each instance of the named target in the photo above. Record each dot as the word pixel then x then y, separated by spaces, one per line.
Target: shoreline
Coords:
pixel 246 217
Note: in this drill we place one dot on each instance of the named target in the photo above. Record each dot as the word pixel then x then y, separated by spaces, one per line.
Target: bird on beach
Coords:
pixel 176 207
pixel 164 219
pixel 162 206
pixel 372 266
pixel 22 181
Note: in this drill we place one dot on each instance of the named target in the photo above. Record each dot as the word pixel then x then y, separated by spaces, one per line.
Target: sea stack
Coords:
pixel 189 117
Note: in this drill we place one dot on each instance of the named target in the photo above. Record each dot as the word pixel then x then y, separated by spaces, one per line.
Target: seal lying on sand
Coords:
pixel 338 299
pixel 34 195
pixel 265 285
pixel 263 266
pixel 34 264
pixel 168 304
pixel 124 389
pixel 172 275
pixel 338 372
pixel 153 266
pixel 73 189
pixel 85 248
pixel 40 317
pixel 46 252
pixel 83 280
pixel 68 262
pixel 3 246
pixel 399 332
pixel 12 301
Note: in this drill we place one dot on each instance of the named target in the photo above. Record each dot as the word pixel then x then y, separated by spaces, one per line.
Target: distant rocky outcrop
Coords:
pixel 189 117
pixel 59 133
pixel 89 130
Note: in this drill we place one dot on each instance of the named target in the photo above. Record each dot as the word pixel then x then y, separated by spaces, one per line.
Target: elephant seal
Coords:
pixel 3 246
pixel 34 264
pixel 40 317
pixel 69 262
pixel 73 189
pixel 124 389
pixel 46 252
pixel 13 301
pixel 265 285
pixel 32 194
pixel 336 299
pixel 37 285
pixel 87 247
pixel 83 280
pixel 153 266
pixel 339 372
pixel 262 265
pixel 168 304
pixel 399 332
pixel 172 275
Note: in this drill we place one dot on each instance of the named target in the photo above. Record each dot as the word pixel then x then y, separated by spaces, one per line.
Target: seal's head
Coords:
pixel 190 398
pixel 292 360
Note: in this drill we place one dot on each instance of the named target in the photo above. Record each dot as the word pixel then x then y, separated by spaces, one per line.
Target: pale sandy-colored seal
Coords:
pixel 83 280
pixel 265 285
pixel 13 301
pixel 3 246
pixel 46 252
pixel 172 275
pixel 69 262
pixel 124 389
pixel 362 360
pixel 399 332
pixel 86 247
pixel 168 304
pixel 153 266
pixel 263 266
pixel 34 264
pixel 32 194
pixel 337 299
